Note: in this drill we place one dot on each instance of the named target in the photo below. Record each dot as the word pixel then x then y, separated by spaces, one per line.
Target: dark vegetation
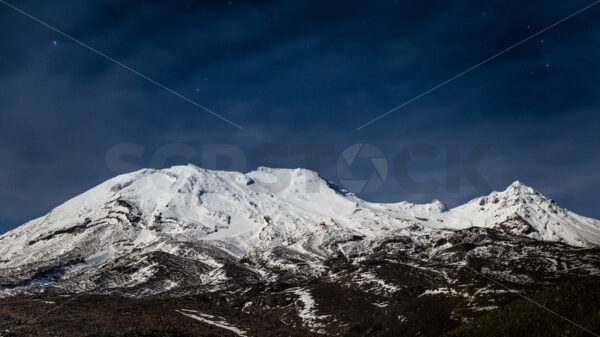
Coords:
pixel 578 301
pixel 99 316
pixel 406 314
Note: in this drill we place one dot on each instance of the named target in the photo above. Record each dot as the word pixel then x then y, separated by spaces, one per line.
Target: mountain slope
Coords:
pixel 272 215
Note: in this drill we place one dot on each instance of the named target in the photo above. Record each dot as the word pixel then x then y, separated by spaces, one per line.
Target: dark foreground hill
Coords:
pixel 98 315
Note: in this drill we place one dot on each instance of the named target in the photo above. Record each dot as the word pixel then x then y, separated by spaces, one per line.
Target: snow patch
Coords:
pixel 308 311
pixel 443 290
pixel 210 319
pixel 374 283
pixel 380 305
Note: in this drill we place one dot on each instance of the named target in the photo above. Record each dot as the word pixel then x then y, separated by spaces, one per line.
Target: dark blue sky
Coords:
pixel 304 72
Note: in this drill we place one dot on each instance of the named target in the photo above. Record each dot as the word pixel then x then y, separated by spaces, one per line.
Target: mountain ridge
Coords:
pixel 269 216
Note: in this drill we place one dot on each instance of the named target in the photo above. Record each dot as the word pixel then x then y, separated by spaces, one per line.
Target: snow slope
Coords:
pixel 523 211
pixel 255 213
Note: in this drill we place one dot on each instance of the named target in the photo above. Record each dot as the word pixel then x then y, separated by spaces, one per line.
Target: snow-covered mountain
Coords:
pixel 521 210
pixel 166 229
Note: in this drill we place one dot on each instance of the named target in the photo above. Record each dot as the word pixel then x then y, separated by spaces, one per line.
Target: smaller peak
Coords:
pixel 181 168
pixel 184 170
pixel 305 171
pixel 439 205
pixel 295 171
pixel 264 169
pixel 517 183
pixel 192 166
pixel 518 188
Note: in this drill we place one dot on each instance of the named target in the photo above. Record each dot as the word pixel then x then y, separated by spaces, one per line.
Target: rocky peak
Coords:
pixel 518 188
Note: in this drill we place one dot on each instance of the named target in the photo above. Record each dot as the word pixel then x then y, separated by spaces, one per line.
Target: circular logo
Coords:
pixel 351 157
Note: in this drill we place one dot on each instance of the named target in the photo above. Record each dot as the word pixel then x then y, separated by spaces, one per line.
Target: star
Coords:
pixel 54 42
pixel 547 65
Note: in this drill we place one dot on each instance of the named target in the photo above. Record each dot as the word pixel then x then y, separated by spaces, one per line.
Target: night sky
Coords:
pixel 297 73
